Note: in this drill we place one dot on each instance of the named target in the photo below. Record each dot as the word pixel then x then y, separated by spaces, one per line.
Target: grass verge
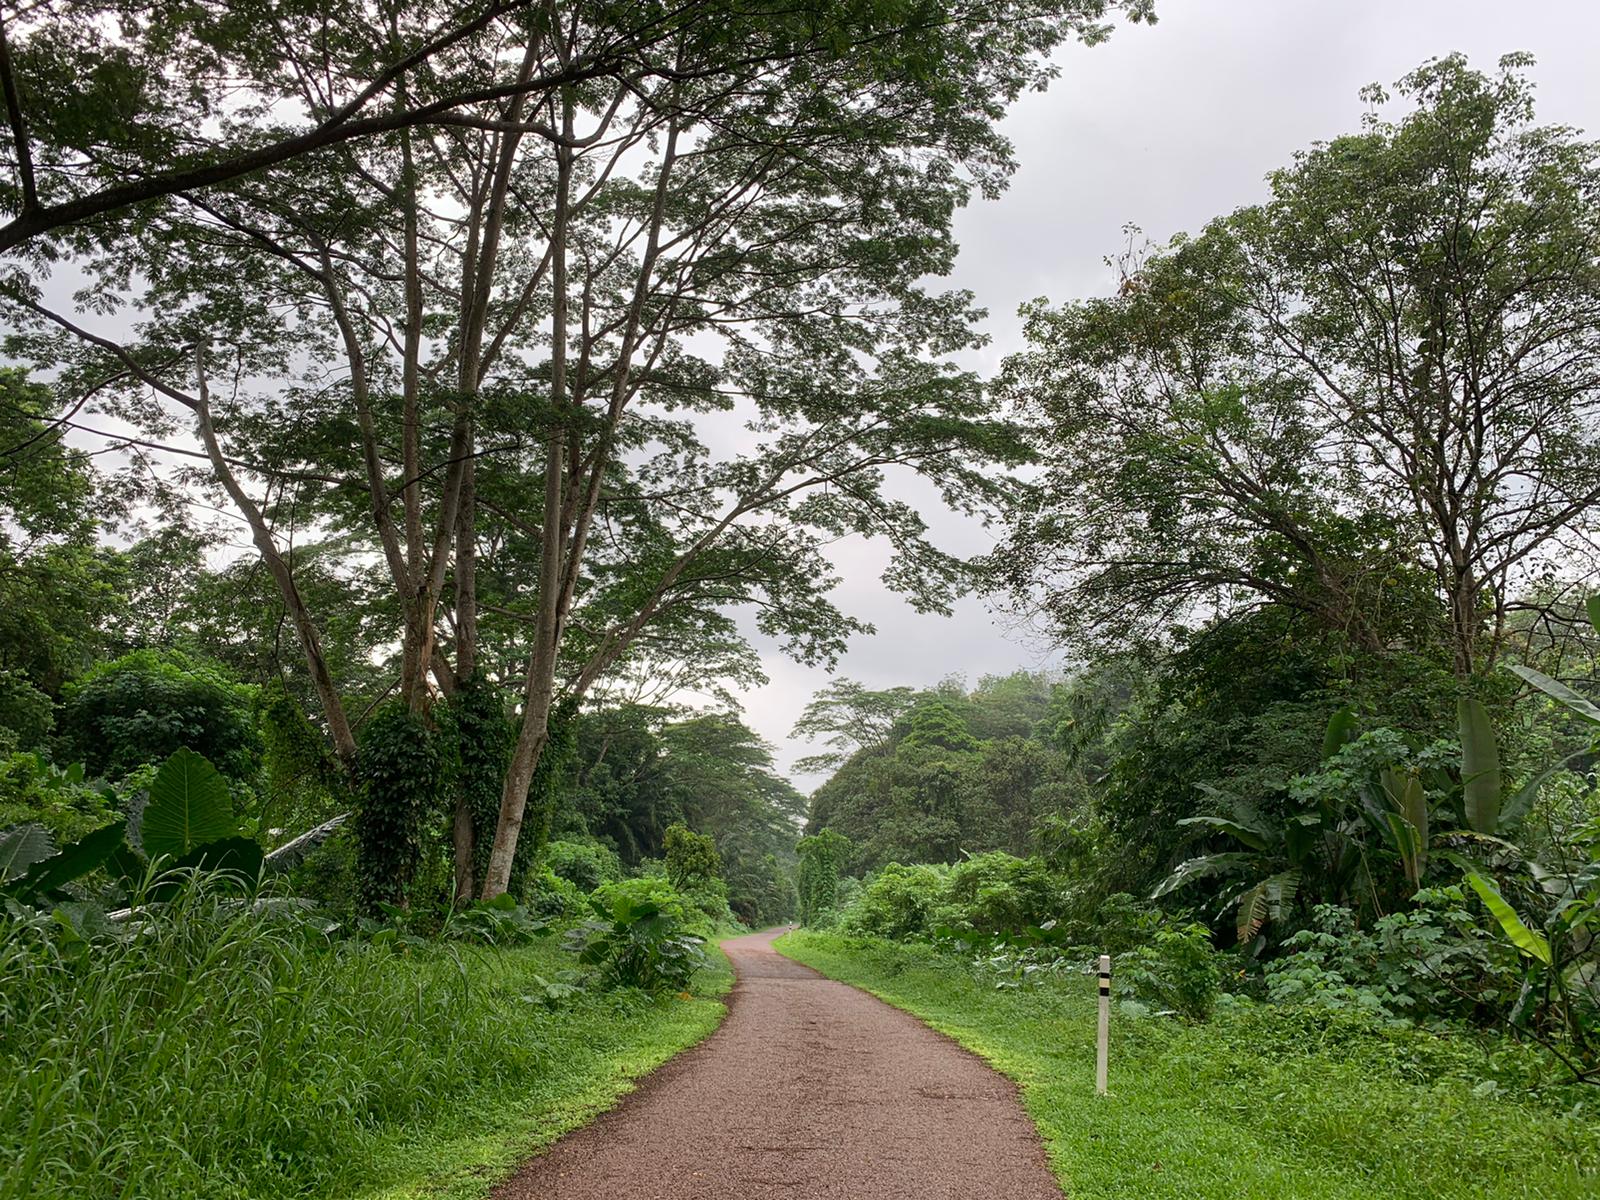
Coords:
pixel 1260 1103
pixel 218 1055
pixel 482 1142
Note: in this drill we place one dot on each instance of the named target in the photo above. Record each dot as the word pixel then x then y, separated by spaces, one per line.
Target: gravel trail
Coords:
pixel 810 1088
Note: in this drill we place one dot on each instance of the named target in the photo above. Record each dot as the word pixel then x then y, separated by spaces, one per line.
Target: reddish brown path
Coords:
pixel 809 1089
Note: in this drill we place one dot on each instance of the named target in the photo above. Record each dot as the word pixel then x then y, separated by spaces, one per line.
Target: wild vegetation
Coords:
pixel 410 417
pixel 1316 512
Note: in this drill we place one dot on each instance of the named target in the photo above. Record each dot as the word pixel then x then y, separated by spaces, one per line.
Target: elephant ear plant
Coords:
pixel 186 824
pixel 638 939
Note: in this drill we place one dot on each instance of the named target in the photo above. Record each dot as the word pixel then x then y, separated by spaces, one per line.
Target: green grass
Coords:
pixel 219 1055
pixel 1280 1105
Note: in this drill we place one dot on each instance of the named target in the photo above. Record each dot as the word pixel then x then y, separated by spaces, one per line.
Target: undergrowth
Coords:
pixel 222 1053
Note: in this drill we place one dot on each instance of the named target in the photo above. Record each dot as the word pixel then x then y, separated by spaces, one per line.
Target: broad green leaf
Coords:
pixel 1554 687
pixel 1530 943
pixel 21 847
pixel 1341 730
pixel 1272 898
pixel 189 807
pixel 1409 821
pixel 241 855
pixel 1592 604
pixel 1254 838
pixel 1199 868
pixel 1480 765
pixel 73 862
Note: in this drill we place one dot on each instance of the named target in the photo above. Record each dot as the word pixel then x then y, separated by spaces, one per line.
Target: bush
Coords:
pixel 1431 961
pixel 897 902
pixel 1178 970
pixel 32 790
pixel 27 715
pixel 547 894
pixel 642 938
pixel 1120 923
pixel 692 858
pixel 999 894
pixel 586 865
pixel 142 707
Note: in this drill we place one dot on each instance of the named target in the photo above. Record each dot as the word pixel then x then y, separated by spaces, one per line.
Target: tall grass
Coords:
pixel 218 1051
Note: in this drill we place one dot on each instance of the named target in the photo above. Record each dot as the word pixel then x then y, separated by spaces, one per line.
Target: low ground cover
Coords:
pixel 1262 1101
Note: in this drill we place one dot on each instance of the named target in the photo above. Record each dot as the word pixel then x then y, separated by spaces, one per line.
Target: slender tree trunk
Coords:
pixel 540 691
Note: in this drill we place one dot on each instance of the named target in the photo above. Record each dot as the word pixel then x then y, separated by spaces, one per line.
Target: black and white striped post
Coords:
pixel 1103 1044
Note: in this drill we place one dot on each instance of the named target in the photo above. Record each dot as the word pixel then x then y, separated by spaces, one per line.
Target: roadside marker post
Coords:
pixel 1103 1044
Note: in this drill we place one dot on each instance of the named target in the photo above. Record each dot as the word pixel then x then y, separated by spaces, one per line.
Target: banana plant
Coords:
pixel 1554 920
pixel 1264 878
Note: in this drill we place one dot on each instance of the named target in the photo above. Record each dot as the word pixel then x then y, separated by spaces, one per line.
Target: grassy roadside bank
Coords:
pixel 596 1053
pixel 1269 1105
pixel 604 1050
pixel 220 1058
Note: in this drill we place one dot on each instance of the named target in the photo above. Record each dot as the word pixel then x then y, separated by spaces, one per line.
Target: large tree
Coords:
pixel 492 353
pixel 1374 400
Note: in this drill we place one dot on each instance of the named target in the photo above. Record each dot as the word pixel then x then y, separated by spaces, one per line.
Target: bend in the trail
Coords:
pixel 810 1088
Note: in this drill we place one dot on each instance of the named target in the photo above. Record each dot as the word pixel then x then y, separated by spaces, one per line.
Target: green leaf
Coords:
pixel 1408 822
pixel 1254 838
pixel 1199 868
pixel 1271 897
pixel 1516 808
pixel 21 846
pixel 241 855
pixel 1554 687
pixel 1480 765
pixel 73 862
pixel 1592 604
pixel 1530 943
pixel 189 807
pixel 1342 729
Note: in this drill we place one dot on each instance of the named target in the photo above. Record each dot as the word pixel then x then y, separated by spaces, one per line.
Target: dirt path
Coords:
pixel 809 1089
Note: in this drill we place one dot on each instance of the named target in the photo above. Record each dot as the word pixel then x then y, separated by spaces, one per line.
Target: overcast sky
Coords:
pixel 1164 126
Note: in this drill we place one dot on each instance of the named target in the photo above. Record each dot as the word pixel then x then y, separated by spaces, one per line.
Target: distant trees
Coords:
pixel 958 772
pixel 697 791
pixel 1373 401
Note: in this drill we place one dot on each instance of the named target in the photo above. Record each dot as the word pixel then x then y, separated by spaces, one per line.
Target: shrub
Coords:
pixel 32 790
pixel 1177 970
pixel 642 937
pixel 897 902
pixel 547 894
pixel 142 707
pixel 1120 923
pixel 694 867
pixel 999 894
pixel 692 858
pixel 1431 961
pixel 586 865
pixel 27 715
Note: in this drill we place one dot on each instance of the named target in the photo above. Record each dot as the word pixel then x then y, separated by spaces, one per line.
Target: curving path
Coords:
pixel 810 1088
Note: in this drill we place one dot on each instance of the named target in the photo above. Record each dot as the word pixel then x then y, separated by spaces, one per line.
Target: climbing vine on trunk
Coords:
pixel 400 776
